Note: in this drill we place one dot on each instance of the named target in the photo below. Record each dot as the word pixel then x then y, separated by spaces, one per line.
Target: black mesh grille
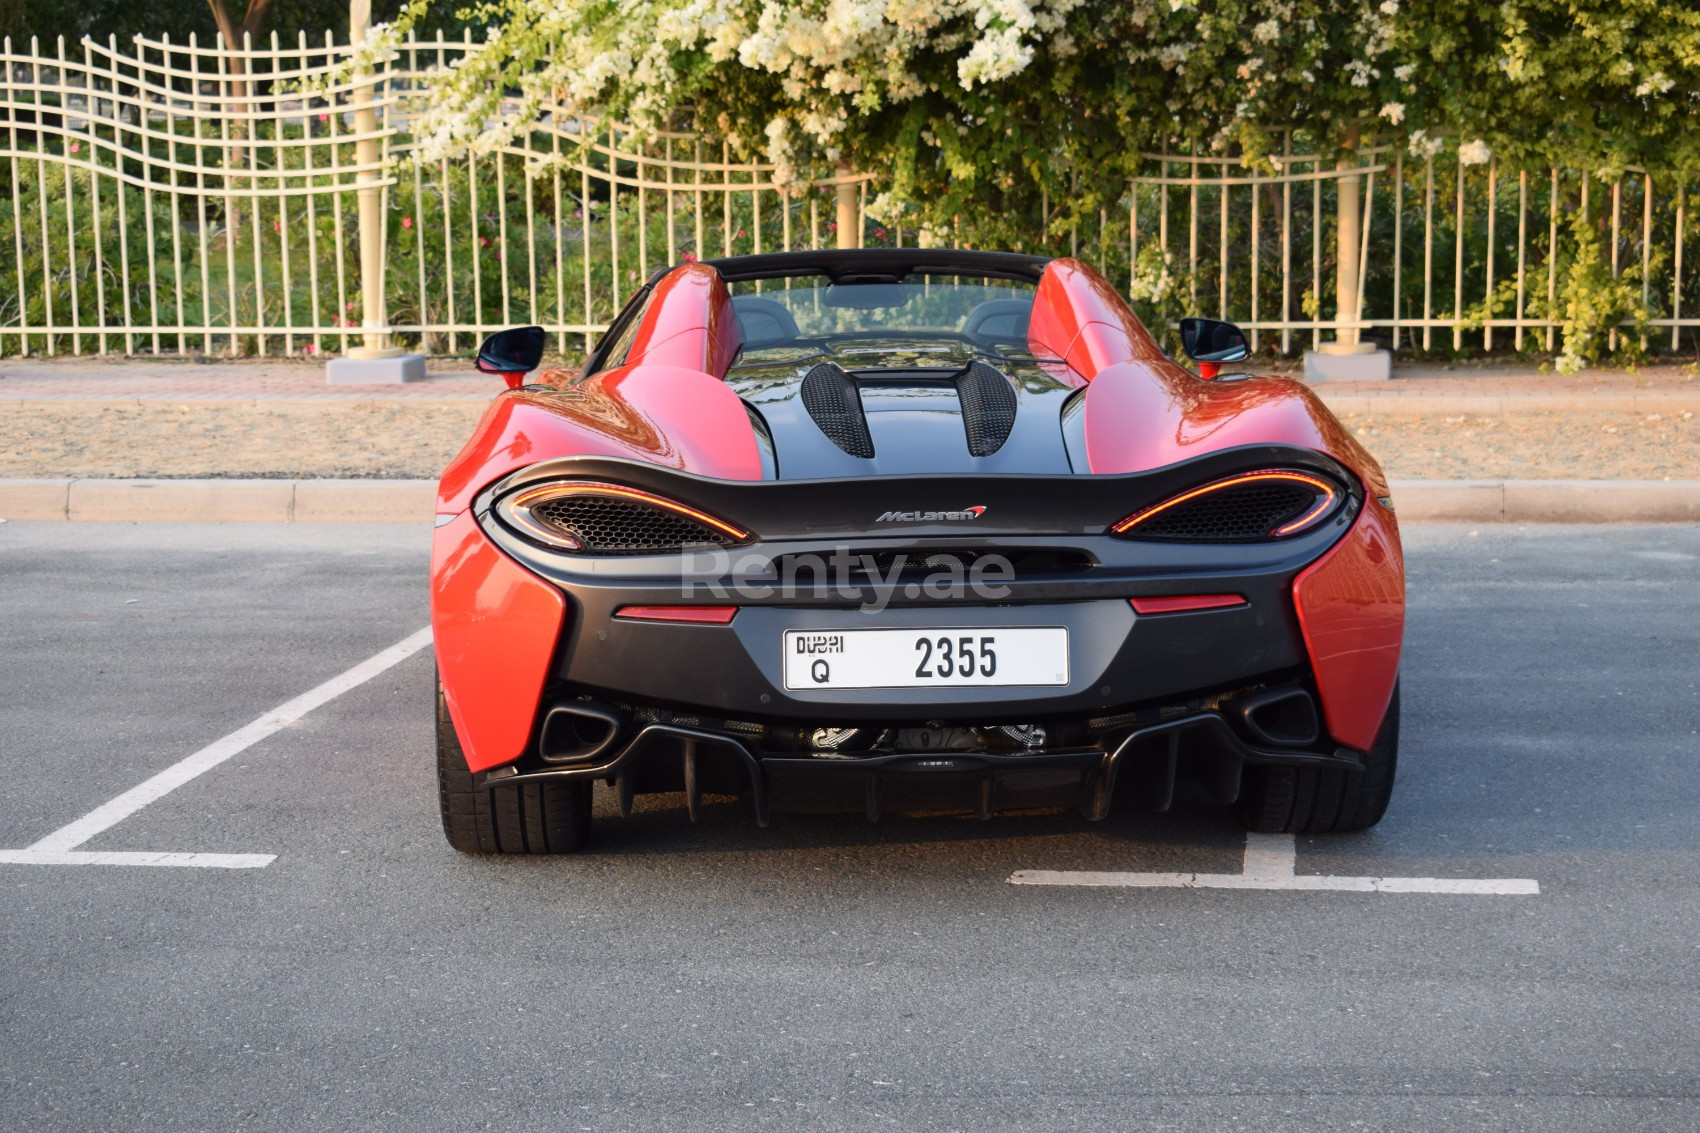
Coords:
pixel 607 525
pixel 1244 511
pixel 988 407
pixel 830 396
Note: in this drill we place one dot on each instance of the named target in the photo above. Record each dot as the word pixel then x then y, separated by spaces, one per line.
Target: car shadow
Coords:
pixel 1193 835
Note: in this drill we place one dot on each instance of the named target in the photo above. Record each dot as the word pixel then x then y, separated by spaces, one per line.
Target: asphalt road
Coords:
pixel 827 974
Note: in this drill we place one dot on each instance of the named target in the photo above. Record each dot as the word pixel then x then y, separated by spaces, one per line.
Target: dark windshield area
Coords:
pixel 812 311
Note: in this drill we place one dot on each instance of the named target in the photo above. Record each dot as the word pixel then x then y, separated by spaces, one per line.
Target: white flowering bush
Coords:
pixel 970 109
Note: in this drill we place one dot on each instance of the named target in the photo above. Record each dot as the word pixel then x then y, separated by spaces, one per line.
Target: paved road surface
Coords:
pixel 826 974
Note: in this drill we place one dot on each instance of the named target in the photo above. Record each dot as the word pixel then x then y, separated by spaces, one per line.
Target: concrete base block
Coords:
pixel 365 501
pixel 375 371
pixel 182 501
pixel 1376 366
pixel 33 499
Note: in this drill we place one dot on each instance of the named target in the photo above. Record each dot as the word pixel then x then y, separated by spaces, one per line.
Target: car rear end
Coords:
pixel 996 641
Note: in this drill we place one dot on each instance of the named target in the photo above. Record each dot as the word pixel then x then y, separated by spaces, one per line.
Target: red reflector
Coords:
pixel 702 615
pixel 1182 602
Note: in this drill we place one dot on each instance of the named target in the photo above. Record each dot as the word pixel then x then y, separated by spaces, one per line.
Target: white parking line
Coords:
pixel 127 857
pixel 59 847
pixel 1269 864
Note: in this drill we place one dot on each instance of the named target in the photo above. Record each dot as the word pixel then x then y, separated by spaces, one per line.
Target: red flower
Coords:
pixel 407 222
pixel 483 241
pixel 879 234
pixel 277 226
pixel 689 257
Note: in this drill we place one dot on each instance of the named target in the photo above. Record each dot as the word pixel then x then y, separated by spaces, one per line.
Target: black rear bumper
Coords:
pixel 1150 760
pixel 697 706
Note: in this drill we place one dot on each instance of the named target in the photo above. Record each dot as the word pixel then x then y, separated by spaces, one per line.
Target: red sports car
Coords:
pixel 907 527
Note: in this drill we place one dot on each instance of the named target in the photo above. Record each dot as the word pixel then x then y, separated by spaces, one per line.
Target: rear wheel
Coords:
pixel 538 818
pixel 1308 800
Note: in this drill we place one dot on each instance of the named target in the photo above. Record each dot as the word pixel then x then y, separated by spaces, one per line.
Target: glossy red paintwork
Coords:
pixel 1351 607
pixel 495 625
pixel 662 414
pixel 1144 411
pixel 1078 317
pixel 1144 415
pixel 689 323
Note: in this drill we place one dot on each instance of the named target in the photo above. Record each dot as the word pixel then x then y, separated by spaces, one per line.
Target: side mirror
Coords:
pixel 1210 342
pixel 512 353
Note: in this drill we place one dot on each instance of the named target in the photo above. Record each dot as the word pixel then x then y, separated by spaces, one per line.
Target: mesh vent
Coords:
pixel 604 525
pixel 1244 511
pixel 830 396
pixel 988 407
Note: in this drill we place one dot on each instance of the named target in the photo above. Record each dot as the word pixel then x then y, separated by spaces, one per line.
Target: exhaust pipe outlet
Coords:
pixel 580 730
pixel 1282 717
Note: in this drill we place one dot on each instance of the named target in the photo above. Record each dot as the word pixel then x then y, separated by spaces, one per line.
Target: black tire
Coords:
pixel 1291 800
pixel 539 818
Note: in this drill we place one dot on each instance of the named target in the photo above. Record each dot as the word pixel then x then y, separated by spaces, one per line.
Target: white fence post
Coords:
pixel 847 220
pixel 375 360
pixel 1348 357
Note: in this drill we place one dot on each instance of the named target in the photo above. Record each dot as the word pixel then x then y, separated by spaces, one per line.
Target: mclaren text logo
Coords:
pixel 974 512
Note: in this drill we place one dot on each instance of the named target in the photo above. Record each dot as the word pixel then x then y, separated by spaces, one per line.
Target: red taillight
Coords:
pixel 1182 602
pixel 1326 495
pixel 593 518
pixel 698 615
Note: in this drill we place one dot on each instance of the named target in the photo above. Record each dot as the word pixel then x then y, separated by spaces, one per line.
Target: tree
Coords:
pixel 236 30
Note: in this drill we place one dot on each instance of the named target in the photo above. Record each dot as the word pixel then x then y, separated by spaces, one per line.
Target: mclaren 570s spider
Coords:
pixel 891 525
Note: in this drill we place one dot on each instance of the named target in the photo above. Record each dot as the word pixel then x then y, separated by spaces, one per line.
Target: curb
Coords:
pixel 220 501
pixel 1396 404
pixel 414 501
pixel 1548 501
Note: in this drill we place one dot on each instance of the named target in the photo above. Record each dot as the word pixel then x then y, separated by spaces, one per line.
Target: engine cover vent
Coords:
pixel 988 407
pixel 831 397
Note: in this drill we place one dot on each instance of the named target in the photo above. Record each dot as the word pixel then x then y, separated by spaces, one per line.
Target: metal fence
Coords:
pixel 174 198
